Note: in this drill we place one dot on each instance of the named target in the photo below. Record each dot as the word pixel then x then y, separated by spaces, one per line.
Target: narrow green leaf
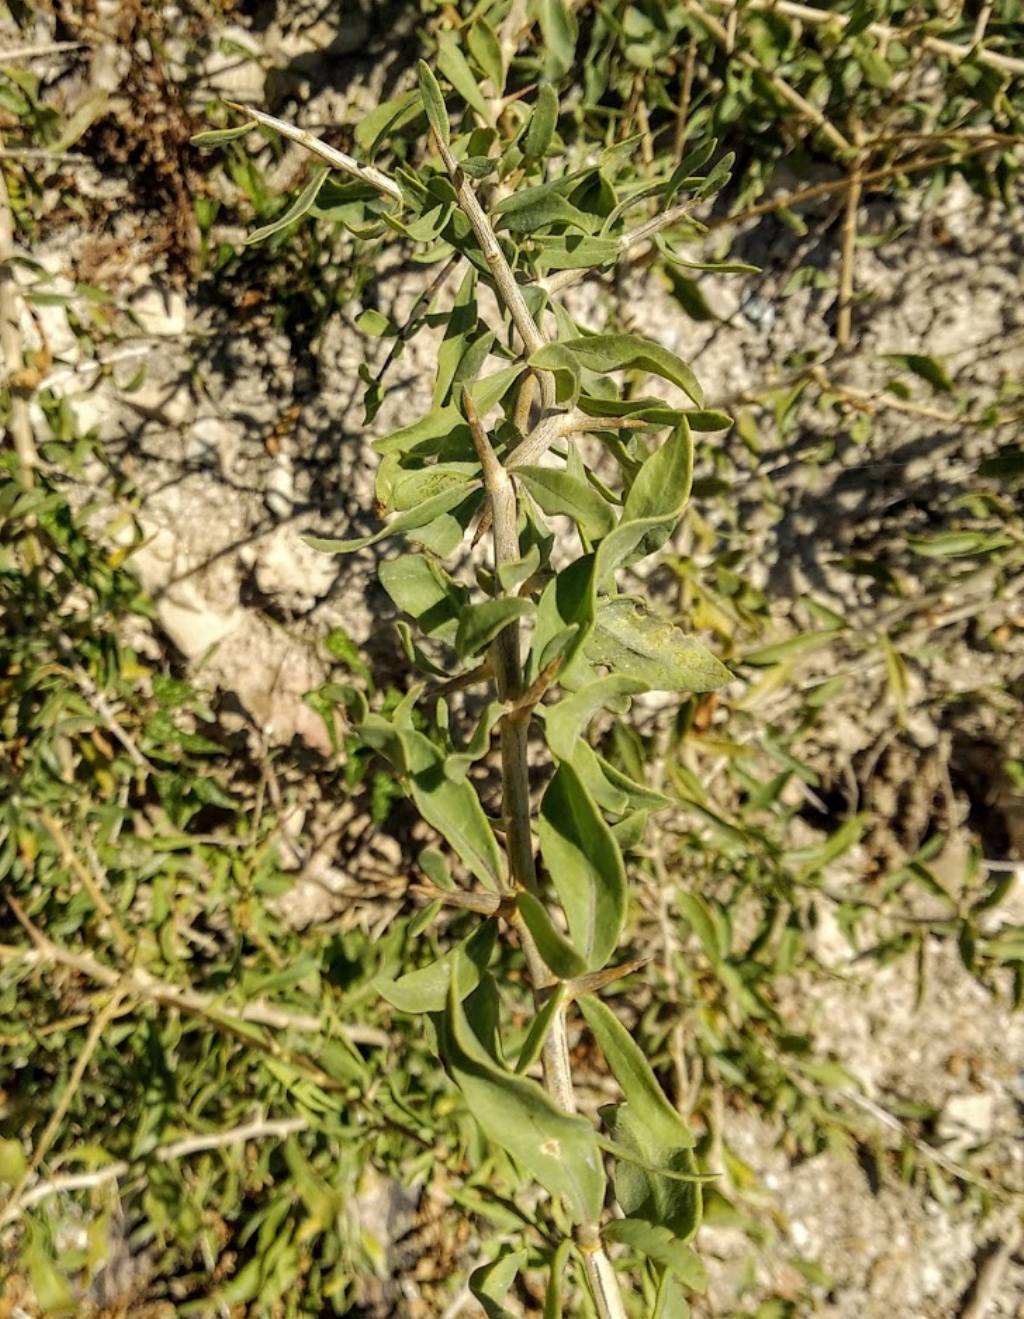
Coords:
pixel 422 589
pixel 452 63
pixel 408 521
pixel 452 808
pixel 558 1149
pixel 929 369
pixel 480 624
pixel 634 1075
pixel 302 203
pixel 490 1282
pixel 529 209
pixel 536 1036
pixel 215 137
pixel 695 911
pixel 619 352
pixel 433 103
pixel 426 989
pixel 956 544
pixel 560 494
pixel 585 865
pixel 656 1144
pixel 566 721
pixel 387 118
pixel 567 602
pixel 462 321
pixel 543 119
pixel 559 30
pixel 558 953
pixel 660 1245
pixel 653 506
pixel 553 1303
pixel 485 48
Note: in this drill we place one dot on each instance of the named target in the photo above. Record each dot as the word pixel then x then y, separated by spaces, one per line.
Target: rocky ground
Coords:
pixel 225 441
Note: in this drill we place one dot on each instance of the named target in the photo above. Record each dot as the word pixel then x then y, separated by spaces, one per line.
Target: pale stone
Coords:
pixel 292 573
pixel 192 623
pixel 160 312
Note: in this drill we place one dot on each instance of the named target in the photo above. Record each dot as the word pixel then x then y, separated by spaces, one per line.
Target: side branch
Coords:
pixel 364 173
pixel 505 281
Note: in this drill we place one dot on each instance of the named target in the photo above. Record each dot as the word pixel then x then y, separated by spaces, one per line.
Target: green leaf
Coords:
pixel 462 321
pixel 559 30
pixel 13 1161
pixel 451 807
pixel 660 1245
pixel 302 203
pixel 671 1303
pixel 533 1045
pixel 617 352
pixel 322 1201
pixel 695 911
pixel 653 506
pixel 412 489
pixel 688 167
pixel 662 486
pixel 956 544
pixel 490 1282
pixel 567 602
pixel 480 624
pixel 426 989
pixel 927 368
pixel 443 426
pixel 575 252
pixel 560 494
pixel 528 209
pixel 452 63
pixel 629 640
pixel 215 137
pixel 585 865
pixel 485 48
pixel 410 520
pixel 648 1127
pixel 658 1182
pixel 425 591
pixel 52 1290
pixel 633 1072
pixel 511 576
pixel 558 953
pixel 566 721
pixel 558 1149
pixel 433 103
pixel 373 322
pixel 553 1302
pixel 543 120
pixel 387 118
